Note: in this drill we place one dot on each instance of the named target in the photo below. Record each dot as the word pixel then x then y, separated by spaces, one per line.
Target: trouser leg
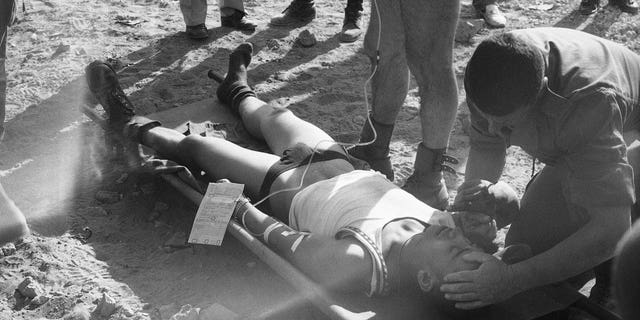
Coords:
pixel 193 11
pixel 234 4
pixel 480 4
pixel 545 218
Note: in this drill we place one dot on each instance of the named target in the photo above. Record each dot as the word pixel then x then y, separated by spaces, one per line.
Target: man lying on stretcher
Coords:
pixel 345 228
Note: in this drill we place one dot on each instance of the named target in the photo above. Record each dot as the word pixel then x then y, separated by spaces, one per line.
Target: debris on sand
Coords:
pixel 467 29
pixel 306 39
pixel 29 288
pixel 7 250
pixel 176 242
pixel 187 312
pixel 106 306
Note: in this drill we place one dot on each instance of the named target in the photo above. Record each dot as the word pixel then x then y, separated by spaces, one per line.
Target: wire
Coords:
pixel 343 144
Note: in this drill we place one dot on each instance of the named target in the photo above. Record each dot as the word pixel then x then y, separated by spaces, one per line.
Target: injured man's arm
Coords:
pixel 335 264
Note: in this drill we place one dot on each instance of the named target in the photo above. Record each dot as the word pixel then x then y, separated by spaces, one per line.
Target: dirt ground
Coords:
pixel 107 242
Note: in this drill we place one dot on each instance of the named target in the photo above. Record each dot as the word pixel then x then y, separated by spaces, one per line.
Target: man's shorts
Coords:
pixel 294 157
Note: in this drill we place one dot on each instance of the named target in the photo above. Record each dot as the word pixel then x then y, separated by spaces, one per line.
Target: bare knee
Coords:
pixel 191 145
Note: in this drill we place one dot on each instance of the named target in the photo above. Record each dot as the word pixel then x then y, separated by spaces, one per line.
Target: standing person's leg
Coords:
pixel 232 15
pixel 490 12
pixel 195 15
pixel 430 59
pixel 13 224
pixel 384 45
pixel 7 12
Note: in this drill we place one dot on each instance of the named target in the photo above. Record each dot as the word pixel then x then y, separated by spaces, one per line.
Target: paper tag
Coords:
pixel 214 213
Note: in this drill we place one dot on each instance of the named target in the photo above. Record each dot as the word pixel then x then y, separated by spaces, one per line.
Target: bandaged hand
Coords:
pixel 479 228
pixel 490 283
pixel 497 200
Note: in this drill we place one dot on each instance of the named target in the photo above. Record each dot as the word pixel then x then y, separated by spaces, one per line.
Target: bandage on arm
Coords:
pixel 339 264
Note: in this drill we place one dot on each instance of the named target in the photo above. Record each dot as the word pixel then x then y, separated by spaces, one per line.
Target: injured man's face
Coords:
pixel 438 251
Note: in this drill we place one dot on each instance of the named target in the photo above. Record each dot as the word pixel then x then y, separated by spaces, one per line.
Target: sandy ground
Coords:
pixel 54 165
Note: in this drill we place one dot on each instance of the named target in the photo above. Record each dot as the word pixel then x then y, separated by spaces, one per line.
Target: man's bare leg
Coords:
pixel 430 57
pixel 13 224
pixel 389 85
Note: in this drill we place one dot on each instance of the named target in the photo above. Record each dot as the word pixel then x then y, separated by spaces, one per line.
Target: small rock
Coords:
pixel 108 196
pixel 80 312
pixel 306 39
pixel 187 312
pixel 106 306
pixel 251 264
pixel 126 311
pixel 122 178
pixel 467 29
pixel 8 249
pixel 273 44
pixel 38 301
pixel 217 311
pixel 30 288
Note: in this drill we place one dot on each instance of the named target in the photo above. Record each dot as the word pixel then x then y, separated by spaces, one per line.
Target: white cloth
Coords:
pixel 359 204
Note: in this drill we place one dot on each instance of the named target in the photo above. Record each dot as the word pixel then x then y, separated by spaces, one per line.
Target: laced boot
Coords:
pixel 351 25
pixel 375 154
pixel 234 88
pixel 426 183
pixel 122 124
pixel 299 11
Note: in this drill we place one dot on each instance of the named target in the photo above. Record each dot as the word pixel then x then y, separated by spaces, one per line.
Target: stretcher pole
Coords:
pixel 312 292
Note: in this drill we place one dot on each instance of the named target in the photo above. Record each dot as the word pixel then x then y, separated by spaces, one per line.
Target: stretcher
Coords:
pixel 525 306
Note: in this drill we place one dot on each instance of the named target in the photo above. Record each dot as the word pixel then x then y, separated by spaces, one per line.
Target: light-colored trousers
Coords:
pixel 195 11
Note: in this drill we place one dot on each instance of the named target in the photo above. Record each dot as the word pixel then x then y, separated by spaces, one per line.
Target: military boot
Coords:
pixel 426 183
pixel 376 154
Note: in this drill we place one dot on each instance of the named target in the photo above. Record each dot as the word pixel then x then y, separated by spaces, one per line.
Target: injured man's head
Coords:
pixel 430 255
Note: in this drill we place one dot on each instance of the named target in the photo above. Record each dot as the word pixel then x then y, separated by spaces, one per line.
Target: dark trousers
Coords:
pixel 480 4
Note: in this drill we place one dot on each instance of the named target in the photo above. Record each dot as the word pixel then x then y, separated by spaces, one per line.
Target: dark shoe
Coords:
pixel 426 183
pixel 237 21
pixel 350 27
pixel 588 7
pixel 103 83
pixel 376 153
pixel 234 88
pixel 298 12
pixel 628 6
pixel 198 31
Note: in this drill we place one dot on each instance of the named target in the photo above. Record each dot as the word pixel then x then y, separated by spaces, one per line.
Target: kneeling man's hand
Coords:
pixel 497 200
pixel 490 283
pixel 479 228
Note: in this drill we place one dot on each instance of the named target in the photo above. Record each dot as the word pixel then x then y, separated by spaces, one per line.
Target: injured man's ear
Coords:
pixel 428 256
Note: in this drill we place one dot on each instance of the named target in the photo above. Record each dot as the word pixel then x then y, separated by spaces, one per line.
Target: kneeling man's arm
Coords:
pixel 591 245
pixel 335 264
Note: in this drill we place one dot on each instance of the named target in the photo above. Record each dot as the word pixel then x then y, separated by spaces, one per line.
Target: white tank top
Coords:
pixel 359 204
